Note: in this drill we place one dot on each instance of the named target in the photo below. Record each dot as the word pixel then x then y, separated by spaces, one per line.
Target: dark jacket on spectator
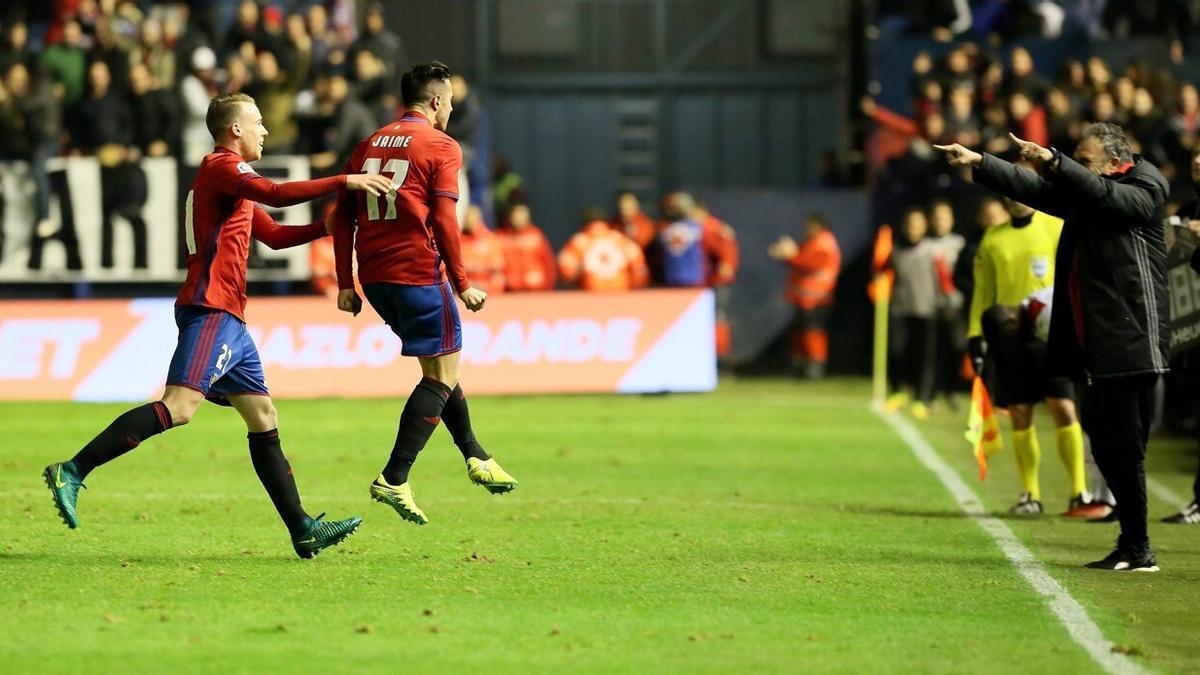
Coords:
pixel 100 121
pixel 1111 314
pixel 156 117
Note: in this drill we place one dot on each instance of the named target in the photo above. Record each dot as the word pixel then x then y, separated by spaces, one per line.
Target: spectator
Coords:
pixel 1028 119
pixel 528 258
pixel 508 188
pixel 324 40
pixel 66 63
pixel 1062 120
pixel 349 122
pixel 111 49
pixel 950 337
pixel 814 265
pixel 246 30
pixel 483 253
pixel 275 90
pixel 104 127
pixel 961 121
pixel 384 44
pixel 633 222
pixel 153 53
pixel 684 248
pixel 16 49
pixel 196 90
pixel 31 124
pixel 1022 78
pixel 599 258
pixel 371 87
pixel 155 115
pixel 466 125
pixel 913 327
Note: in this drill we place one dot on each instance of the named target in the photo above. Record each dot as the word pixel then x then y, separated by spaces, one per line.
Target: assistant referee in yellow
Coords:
pixel 1015 260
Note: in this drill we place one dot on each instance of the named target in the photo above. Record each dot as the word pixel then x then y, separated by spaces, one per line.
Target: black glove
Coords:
pixel 977 349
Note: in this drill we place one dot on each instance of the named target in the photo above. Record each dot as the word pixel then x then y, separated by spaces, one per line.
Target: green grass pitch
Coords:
pixel 770 526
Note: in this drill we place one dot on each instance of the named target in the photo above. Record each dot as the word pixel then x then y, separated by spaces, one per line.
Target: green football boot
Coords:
pixel 64 487
pixel 490 475
pixel 400 498
pixel 322 534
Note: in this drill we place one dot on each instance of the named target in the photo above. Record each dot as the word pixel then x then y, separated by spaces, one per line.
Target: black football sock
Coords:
pixel 457 417
pixel 421 415
pixel 276 476
pixel 123 435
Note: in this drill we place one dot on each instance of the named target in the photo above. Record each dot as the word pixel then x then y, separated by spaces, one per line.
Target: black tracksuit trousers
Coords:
pixel 1116 417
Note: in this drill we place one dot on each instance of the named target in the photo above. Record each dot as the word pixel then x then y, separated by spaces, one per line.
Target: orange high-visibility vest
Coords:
pixel 528 258
pixel 483 258
pixel 815 270
pixel 600 258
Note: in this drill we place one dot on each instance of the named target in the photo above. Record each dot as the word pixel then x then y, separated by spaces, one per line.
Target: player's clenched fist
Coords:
pixel 348 301
pixel 473 298
pixel 957 155
pixel 373 183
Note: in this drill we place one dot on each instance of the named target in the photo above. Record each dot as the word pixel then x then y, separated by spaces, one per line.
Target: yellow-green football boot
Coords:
pixel 489 474
pixel 399 497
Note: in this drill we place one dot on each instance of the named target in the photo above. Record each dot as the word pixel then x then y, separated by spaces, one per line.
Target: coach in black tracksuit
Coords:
pixel 1110 327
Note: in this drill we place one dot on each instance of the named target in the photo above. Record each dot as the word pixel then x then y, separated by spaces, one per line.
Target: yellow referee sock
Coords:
pixel 1029 455
pixel 1070 451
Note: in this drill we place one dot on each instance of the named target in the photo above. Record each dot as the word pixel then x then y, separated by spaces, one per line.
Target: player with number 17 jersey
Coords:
pixel 398 241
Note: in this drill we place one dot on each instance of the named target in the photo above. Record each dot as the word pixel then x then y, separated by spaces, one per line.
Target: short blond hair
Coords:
pixel 223 111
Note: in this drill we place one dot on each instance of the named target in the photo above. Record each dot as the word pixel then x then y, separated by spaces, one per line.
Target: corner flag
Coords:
pixel 983 432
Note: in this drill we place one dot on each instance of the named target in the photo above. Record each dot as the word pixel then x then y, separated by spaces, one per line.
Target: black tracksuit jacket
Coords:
pixel 1111 315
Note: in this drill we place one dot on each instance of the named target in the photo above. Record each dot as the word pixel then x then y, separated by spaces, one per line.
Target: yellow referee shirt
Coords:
pixel 1012 263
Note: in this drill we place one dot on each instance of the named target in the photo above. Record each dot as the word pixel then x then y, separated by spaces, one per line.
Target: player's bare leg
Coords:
pixel 309 535
pixel 482 469
pixel 125 433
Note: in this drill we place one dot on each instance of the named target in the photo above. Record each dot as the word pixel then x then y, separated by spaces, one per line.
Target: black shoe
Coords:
pixel 1190 515
pixel 1123 561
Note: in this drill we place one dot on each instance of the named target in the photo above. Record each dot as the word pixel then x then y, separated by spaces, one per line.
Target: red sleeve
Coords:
pixel 344 221
pixel 443 220
pixel 895 121
pixel 265 229
pixel 266 191
pixel 445 172
pixel 343 238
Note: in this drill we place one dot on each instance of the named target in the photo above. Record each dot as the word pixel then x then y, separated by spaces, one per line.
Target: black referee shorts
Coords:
pixel 1018 360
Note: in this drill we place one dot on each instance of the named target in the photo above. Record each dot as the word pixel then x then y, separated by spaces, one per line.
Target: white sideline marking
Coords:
pixel 1065 608
pixel 1165 493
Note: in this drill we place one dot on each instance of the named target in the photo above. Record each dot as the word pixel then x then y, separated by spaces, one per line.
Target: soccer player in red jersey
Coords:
pixel 410 266
pixel 215 357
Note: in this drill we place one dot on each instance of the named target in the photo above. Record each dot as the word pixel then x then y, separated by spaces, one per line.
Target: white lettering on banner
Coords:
pixel 563 341
pixel 23 343
pixel 326 346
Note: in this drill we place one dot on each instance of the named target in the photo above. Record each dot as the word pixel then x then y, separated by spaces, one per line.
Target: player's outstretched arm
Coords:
pixel 276 236
pixel 279 195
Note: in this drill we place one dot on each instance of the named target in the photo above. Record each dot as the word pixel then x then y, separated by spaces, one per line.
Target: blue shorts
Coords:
pixel 425 318
pixel 215 355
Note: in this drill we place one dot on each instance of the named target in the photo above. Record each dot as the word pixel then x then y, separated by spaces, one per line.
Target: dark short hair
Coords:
pixel 223 111
pixel 1112 138
pixel 414 85
pixel 592 213
pixel 818 218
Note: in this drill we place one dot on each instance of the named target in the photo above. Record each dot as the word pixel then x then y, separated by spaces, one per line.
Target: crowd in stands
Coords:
pixel 1006 20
